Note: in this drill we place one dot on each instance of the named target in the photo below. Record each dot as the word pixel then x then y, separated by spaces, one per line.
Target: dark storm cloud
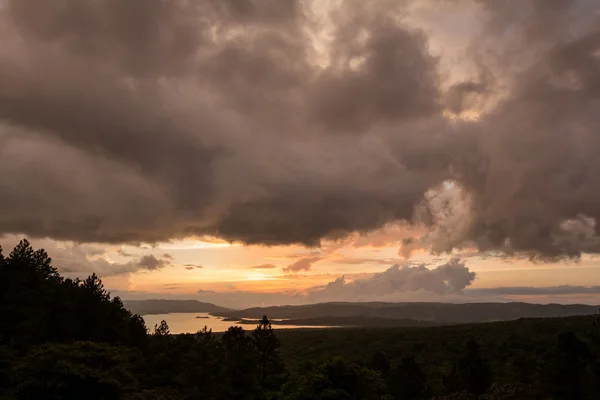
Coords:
pixel 139 121
pixel 229 146
pixel 366 85
pixel 541 145
pixel 463 96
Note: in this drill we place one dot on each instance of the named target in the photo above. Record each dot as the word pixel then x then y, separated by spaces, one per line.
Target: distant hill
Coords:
pixel 147 307
pixel 438 313
pixel 358 322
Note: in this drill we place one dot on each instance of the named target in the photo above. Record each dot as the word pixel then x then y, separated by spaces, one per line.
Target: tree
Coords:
pixel 28 286
pixel 567 375
pixel 162 330
pixel 471 373
pixel 75 371
pixel 38 305
pixel 200 363
pixel 380 362
pixel 104 319
pixel 594 340
pixel 335 379
pixel 271 367
pixel 408 382
pixel 515 391
pixel 34 263
pixel 240 370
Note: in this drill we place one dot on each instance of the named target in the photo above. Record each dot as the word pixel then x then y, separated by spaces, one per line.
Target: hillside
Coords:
pixel 147 307
pixel 437 347
pixel 362 322
pixel 440 313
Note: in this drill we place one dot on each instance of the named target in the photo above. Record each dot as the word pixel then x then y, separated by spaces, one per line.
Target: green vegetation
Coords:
pixel 68 339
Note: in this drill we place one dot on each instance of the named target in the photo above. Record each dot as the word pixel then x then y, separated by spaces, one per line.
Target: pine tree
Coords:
pixel 162 330
pixel 240 369
pixel 271 367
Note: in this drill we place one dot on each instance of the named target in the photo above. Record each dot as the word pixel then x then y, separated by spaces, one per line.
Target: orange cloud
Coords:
pixel 264 266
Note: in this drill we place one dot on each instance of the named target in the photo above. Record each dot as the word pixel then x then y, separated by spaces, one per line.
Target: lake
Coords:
pixel 188 323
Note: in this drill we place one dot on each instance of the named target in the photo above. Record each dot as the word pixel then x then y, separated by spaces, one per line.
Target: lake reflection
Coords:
pixel 188 323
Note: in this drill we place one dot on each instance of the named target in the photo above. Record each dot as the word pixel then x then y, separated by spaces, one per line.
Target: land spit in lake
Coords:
pixel 192 322
pixel 185 316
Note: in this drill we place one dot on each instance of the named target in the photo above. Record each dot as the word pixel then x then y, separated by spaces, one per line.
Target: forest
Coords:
pixel 69 339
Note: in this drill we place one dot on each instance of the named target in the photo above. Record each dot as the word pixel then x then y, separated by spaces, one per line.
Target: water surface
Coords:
pixel 188 323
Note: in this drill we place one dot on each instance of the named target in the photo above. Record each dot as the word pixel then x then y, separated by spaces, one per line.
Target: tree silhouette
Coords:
pixel 39 306
pixel 408 382
pixel 28 287
pixel 381 363
pixel 334 379
pixel 471 373
pixel 162 329
pixel 567 374
pixel 271 367
pixel 199 363
pixel 80 370
pixel 240 370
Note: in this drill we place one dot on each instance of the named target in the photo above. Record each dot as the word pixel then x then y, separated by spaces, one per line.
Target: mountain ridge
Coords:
pixel 164 306
pixel 421 311
pixel 427 312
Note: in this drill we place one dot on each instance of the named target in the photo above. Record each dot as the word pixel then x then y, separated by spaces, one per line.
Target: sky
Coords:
pixel 256 152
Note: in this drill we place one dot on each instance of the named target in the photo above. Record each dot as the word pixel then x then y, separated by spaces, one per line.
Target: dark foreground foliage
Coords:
pixel 68 339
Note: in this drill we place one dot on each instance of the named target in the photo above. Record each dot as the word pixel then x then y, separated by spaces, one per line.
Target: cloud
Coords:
pixel 228 118
pixel 303 264
pixel 449 278
pixel 125 254
pixel 360 261
pixel 264 266
pixel 75 260
pixel 444 283
pixel 172 286
pixel 205 292
pixel 191 267
pixel 151 263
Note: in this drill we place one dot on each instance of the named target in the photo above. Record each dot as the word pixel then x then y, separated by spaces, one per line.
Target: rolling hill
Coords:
pixel 438 313
pixel 147 307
